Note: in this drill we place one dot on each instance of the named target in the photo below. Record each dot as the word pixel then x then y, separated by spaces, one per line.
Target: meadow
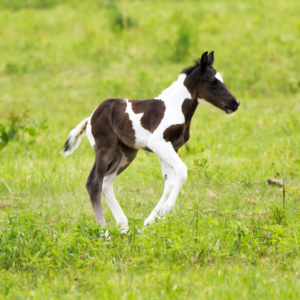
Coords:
pixel 230 236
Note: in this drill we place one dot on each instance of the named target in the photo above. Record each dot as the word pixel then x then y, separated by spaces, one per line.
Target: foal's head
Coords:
pixel 204 82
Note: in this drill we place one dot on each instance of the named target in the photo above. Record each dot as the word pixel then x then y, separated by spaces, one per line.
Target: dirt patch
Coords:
pixel 4 205
pixel 275 181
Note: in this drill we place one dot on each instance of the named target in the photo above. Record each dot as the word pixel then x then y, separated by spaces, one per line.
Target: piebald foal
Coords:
pixel 118 128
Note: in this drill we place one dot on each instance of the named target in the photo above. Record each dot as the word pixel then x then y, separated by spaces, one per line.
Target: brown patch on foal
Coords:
pixel 110 116
pixel 188 109
pixel 179 134
pixel 176 135
pixel 153 110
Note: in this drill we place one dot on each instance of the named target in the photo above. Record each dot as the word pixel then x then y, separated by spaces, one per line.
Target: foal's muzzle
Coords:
pixel 233 106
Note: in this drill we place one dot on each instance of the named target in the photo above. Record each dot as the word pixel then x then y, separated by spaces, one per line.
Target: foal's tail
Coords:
pixel 74 138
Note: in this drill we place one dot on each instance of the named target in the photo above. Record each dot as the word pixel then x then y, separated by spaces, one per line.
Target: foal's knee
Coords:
pixel 182 173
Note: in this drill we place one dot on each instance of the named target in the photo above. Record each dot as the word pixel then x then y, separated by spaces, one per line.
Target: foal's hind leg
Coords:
pixel 104 150
pixel 123 157
pixel 92 186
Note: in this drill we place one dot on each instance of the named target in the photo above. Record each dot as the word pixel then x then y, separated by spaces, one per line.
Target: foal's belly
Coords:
pixel 136 139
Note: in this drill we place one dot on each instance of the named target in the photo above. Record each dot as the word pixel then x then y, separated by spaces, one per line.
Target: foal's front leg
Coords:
pixel 169 178
pixel 166 152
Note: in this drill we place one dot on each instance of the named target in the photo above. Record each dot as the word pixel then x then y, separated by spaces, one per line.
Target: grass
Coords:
pixel 228 237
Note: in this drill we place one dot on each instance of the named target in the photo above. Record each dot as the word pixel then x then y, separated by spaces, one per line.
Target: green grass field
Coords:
pixel 229 236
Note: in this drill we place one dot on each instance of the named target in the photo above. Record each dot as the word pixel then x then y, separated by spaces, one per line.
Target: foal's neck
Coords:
pixel 176 92
pixel 178 98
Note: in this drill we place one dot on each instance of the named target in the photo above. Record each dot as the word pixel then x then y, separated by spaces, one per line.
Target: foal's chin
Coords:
pixel 228 111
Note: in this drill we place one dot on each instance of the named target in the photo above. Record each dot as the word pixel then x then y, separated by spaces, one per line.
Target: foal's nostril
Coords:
pixel 234 103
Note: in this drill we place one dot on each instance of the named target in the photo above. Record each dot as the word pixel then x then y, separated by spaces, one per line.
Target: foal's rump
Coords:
pixel 107 119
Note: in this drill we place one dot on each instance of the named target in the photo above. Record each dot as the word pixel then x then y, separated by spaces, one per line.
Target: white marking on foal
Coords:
pixel 173 97
pixel 89 131
pixel 218 76
pixel 89 134
pixel 141 134
pixel 175 84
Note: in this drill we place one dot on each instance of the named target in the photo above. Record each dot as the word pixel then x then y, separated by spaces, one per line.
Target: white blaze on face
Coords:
pixel 219 77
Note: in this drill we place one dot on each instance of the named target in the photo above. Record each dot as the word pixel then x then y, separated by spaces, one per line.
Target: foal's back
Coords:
pixel 132 121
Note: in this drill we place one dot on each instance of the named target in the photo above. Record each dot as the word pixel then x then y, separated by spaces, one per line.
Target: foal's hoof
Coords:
pixel 149 220
pixel 123 229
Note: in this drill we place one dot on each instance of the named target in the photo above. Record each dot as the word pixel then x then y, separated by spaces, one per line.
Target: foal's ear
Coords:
pixel 204 61
pixel 210 59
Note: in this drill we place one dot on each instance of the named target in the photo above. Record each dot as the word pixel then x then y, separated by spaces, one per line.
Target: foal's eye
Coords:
pixel 213 84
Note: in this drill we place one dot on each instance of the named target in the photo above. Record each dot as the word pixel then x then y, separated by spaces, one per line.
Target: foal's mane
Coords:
pixel 190 69
pixel 186 71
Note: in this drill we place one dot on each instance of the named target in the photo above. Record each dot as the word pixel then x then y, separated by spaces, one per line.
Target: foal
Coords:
pixel 118 128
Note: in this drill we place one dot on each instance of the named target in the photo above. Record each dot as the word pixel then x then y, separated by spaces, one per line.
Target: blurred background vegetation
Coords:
pixel 57 55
